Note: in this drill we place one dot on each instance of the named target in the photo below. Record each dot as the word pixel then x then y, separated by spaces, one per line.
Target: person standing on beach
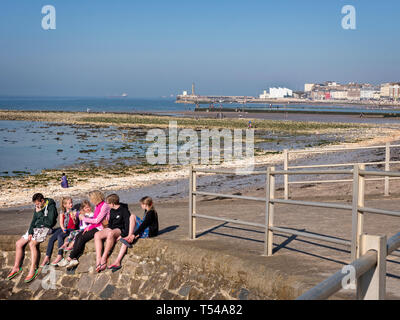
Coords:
pixel 64 181
pixel 44 219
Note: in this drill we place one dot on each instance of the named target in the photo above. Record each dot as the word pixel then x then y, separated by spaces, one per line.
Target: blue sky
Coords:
pixel 155 48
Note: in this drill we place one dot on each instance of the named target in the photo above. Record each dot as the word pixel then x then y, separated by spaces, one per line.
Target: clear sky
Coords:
pixel 152 48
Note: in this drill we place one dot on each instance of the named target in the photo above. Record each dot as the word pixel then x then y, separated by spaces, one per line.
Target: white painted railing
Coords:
pixel 369 269
pixel 387 163
pixel 364 260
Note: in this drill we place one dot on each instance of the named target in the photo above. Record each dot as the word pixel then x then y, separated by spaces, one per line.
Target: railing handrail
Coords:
pixel 387 162
pixel 380 173
pixel 333 284
pixel 361 262
pixel 349 164
pixel 227 171
pixel 309 172
pixel 321 150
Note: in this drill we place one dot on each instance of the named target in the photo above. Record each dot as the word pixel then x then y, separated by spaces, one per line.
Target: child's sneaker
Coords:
pixel 62 263
pixel 73 263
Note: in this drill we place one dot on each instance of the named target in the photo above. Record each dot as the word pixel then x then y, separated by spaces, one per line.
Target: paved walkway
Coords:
pixel 310 261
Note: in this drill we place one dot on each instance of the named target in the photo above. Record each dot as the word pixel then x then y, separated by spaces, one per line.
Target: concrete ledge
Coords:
pixel 154 269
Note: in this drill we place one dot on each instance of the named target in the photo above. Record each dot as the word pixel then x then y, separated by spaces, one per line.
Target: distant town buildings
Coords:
pixel 327 91
pixel 390 90
pixel 308 87
pixel 352 91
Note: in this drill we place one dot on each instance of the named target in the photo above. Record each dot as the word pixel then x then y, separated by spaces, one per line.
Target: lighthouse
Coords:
pixel 193 94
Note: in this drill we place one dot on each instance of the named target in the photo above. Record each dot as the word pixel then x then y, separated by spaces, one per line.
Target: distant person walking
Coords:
pixel 64 181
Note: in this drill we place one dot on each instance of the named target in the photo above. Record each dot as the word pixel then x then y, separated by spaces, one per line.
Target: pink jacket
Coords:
pixel 101 212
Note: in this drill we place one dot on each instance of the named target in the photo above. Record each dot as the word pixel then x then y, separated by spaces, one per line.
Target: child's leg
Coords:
pixel 33 246
pixel 71 245
pixel 98 243
pixel 111 238
pixel 122 251
pixel 50 246
pixel 19 253
pixel 132 224
pixel 60 239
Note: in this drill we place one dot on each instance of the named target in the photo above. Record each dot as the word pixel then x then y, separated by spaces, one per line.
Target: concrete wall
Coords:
pixel 153 269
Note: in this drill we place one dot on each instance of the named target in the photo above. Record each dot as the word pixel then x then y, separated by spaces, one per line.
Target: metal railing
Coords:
pixel 367 259
pixel 369 253
pixel 369 271
pixel 387 163
pixel 193 215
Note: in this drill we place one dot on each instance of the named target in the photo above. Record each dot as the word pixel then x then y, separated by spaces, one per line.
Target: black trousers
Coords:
pixel 80 241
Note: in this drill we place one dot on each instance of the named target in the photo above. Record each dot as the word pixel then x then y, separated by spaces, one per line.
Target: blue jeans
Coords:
pixel 145 233
pixel 58 235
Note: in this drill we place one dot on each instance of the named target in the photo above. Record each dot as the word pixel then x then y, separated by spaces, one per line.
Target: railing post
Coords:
pixel 372 284
pixel 387 167
pixel 286 177
pixel 357 221
pixel 269 211
pixel 192 203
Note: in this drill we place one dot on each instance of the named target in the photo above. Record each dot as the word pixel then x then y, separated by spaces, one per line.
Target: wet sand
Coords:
pixel 174 183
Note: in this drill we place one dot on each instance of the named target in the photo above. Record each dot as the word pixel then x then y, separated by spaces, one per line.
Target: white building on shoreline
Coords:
pixel 275 93
pixel 264 95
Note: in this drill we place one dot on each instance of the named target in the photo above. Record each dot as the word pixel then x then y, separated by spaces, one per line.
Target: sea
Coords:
pixel 165 105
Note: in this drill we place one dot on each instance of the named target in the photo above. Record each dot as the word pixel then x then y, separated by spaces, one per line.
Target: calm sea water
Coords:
pixel 117 104
pixel 126 104
pixel 28 147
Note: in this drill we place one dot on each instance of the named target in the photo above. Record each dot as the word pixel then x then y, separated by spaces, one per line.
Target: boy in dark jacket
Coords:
pixel 44 219
pixel 118 226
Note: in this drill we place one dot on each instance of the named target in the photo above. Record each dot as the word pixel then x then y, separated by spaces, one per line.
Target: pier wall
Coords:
pixel 153 269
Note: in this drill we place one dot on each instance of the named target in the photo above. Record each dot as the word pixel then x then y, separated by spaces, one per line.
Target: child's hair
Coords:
pixel 113 199
pixel 85 203
pixel 147 201
pixel 96 196
pixel 63 201
pixel 37 197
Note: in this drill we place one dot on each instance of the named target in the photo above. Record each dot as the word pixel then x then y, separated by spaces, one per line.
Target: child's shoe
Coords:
pixel 62 263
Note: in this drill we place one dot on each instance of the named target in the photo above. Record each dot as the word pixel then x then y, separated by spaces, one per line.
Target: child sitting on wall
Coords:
pixel 138 228
pixel 87 210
